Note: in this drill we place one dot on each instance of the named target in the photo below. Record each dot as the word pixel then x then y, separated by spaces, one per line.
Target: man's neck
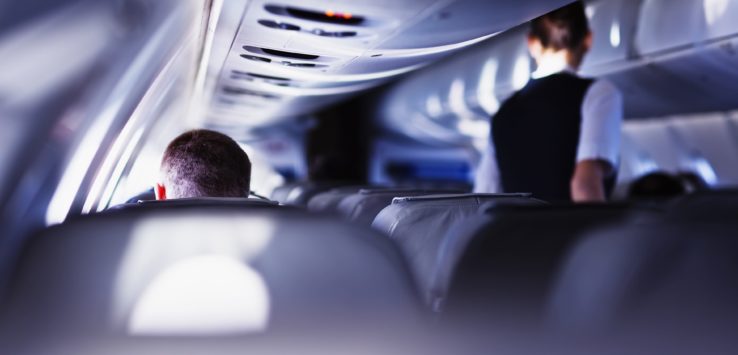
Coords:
pixel 552 63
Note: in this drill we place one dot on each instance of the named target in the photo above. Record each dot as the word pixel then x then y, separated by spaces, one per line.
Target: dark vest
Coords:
pixel 536 135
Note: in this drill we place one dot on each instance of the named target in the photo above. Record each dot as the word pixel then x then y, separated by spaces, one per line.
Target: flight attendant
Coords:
pixel 559 136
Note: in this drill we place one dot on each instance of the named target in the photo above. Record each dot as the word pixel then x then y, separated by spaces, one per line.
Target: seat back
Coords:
pixel 362 207
pixel 677 278
pixel 280 193
pixel 211 271
pixel 148 195
pixel 328 201
pixel 203 202
pixel 300 193
pixel 714 205
pixel 418 224
pixel 503 267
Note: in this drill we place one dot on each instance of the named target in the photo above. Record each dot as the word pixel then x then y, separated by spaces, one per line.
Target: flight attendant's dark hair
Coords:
pixel 564 28
pixel 204 163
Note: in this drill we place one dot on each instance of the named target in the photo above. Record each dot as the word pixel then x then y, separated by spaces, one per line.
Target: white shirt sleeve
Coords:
pixel 487 179
pixel 602 117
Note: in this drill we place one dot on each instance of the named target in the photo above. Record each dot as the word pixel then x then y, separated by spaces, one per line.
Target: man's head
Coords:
pixel 204 163
pixel 564 32
pixel 656 185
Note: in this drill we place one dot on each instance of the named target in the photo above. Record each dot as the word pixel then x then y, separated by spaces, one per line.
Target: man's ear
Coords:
pixel 160 191
pixel 588 41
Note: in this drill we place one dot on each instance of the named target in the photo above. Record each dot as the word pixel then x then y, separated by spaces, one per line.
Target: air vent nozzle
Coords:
pixel 230 90
pixel 279 25
pixel 256 58
pixel 302 65
pixel 258 76
pixel 338 34
pixel 293 55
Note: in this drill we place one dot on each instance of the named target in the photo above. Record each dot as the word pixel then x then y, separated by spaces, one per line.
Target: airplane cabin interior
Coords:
pixel 366 124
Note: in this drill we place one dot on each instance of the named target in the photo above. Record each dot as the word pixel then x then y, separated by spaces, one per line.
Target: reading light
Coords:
pixel 326 16
pixel 344 15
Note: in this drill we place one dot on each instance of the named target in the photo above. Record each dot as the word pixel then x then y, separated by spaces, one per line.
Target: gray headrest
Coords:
pixel 328 201
pixel 364 206
pixel 456 198
pixel 302 192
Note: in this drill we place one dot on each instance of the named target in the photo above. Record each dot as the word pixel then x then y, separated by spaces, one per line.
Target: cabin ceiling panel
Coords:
pixel 289 58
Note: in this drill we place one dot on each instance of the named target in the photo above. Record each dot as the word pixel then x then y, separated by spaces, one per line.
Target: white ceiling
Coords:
pixel 396 36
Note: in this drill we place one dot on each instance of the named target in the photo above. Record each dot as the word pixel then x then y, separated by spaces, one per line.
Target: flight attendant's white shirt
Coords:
pixel 602 117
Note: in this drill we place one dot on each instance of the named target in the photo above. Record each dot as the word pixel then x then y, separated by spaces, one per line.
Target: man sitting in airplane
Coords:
pixel 559 136
pixel 204 163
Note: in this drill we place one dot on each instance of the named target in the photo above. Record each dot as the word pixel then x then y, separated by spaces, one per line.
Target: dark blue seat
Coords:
pixel 719 205
pixel 419 224
pixel 675 278
pixel 501 268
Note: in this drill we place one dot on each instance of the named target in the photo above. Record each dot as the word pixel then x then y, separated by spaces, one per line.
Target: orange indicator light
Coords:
pixel 343 15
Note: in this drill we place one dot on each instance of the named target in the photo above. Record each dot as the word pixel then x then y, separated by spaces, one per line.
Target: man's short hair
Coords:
pixel 657 184
pixel 204 163
pixel 564 28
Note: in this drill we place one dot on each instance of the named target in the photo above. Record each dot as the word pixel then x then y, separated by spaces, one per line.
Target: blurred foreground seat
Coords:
pixel 194 271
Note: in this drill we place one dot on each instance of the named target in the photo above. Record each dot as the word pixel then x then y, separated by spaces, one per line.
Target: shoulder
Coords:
pixel 603 88
pixel 510 101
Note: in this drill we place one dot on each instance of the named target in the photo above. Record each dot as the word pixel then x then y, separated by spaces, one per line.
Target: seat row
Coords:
pixel 513 254
pixel 484 263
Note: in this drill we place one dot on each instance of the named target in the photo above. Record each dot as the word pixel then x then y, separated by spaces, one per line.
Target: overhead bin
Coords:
pixel 472 20
pixel 668 25
pixel 667 57
pixel 614 24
